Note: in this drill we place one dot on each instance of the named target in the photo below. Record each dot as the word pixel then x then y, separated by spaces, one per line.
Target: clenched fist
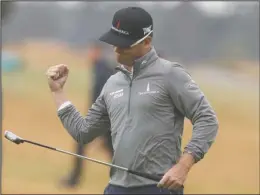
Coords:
pixel 57 76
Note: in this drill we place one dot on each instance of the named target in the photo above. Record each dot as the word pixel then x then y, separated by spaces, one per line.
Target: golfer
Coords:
pixel 145 104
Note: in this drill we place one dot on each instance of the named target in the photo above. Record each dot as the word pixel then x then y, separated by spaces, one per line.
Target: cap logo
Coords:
pixel 116 28
pixel 147 29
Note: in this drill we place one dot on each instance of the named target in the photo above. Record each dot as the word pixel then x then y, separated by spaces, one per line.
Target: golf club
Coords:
pixel 18 140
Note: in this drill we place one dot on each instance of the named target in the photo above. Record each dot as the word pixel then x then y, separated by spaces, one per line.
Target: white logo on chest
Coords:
pixel 148 91
pixel 117 94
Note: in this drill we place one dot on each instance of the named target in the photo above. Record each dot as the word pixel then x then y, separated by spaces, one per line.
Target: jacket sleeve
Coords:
pixel 192 103
pixel 85 129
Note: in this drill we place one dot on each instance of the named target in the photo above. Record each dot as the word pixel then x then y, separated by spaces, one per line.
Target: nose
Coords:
pixel 118 50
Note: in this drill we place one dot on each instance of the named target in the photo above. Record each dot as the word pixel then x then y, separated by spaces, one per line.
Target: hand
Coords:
pixel 174 178
pixel 57 76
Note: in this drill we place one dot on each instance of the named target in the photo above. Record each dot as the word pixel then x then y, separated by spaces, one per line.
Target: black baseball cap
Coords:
pixel 130 26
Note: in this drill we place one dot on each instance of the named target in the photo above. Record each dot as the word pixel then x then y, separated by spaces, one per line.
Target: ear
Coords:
pixel 147 42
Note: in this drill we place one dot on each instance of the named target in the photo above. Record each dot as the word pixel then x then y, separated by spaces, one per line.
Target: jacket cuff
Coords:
pixel 65 109
pixel 196 157
pixel 64 105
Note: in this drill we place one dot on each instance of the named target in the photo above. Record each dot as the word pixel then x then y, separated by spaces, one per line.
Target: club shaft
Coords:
pixel 144 175
pixel 14 138
pixel 93 160
pixel 77 155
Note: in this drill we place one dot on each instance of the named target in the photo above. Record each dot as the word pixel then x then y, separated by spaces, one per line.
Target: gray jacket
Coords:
pixel 145 115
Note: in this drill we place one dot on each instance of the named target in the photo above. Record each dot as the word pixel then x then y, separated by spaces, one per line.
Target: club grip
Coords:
pixel 146 175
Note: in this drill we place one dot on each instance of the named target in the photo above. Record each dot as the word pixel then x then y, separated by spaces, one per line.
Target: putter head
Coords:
pixel 13 138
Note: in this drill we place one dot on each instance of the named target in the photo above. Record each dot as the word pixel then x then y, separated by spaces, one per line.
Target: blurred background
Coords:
pixel 218 42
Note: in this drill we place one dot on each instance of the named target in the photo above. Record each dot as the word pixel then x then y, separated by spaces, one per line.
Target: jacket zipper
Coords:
pixel 130 87
pixel 129 96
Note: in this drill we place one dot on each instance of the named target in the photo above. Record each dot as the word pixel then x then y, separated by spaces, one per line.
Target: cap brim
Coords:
pixel 116 40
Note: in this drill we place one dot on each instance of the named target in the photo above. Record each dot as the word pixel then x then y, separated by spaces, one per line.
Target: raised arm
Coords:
pixel 82 129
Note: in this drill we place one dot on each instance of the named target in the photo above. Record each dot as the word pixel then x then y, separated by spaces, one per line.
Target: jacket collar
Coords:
pixel 141 62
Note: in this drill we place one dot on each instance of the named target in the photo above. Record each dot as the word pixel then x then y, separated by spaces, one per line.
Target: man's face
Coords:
pixel 126 56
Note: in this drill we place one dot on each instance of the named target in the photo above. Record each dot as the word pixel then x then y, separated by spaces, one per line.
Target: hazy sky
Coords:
pixel 210 7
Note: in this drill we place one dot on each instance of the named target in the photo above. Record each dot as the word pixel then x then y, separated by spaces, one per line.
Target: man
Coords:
pixel 145 103
pixel 101 71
